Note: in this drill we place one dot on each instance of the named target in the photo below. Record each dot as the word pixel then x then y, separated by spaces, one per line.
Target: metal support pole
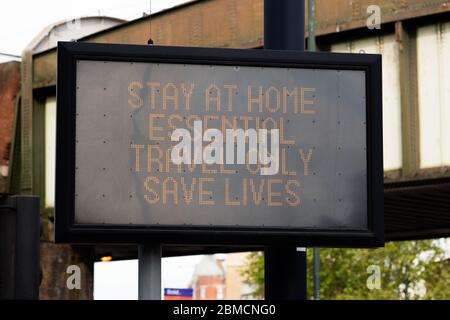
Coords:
pixel 149 272
pixel 312 47
pixel 284 24
pixel 19 248
pixel 285 267
pixel 316 253
pixel 312 25
pixel 285 273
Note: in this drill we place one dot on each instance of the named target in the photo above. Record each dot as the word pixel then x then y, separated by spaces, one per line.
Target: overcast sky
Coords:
pixel 22 20
pixel 119 279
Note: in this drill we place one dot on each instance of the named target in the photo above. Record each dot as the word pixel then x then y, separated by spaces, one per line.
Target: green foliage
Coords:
pixel 254 273
pixel 408 270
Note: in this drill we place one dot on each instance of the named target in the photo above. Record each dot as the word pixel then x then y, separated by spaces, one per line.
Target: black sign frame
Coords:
pixel 67 231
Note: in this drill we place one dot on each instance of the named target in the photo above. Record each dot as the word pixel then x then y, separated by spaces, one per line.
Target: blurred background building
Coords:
pixel 208 280
pixel 219 277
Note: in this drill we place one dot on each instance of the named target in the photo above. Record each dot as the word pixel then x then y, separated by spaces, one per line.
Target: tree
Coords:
pixel 407 270
pixel 254 273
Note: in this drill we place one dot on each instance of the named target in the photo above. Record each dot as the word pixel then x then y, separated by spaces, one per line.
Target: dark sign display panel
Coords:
pixel 218 146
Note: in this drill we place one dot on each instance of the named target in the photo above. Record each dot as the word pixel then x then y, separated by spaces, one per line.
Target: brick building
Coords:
pixel 217 279
pixel 235 286
pixel 208 280
pixel 9 94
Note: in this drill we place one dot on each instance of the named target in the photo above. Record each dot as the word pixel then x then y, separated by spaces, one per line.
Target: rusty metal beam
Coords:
pixel 44 70
pixel 341 15
pixel 236 24
pixel 207 23
pixel 239 24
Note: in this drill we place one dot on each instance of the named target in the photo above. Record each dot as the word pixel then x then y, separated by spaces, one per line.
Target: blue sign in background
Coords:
pixel 178 292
